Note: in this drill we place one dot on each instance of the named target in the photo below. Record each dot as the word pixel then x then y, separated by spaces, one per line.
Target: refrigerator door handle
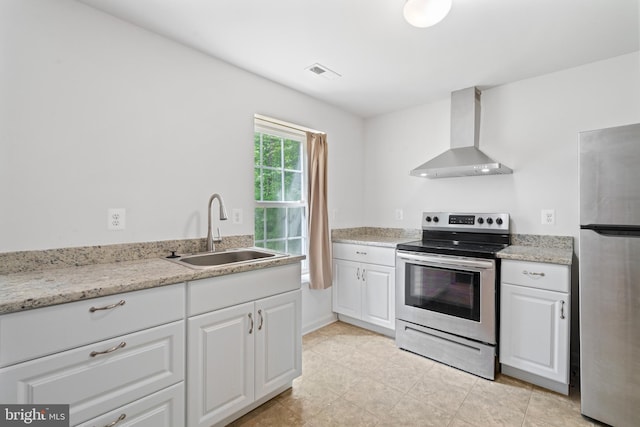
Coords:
pixel 613 230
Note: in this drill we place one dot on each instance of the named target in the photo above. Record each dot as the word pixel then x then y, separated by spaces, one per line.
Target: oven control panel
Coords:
pixel 481 222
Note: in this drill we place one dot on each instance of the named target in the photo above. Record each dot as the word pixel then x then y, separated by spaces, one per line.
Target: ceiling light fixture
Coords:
pixel 425 13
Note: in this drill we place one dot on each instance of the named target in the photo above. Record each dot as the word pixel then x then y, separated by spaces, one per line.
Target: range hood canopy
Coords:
pixel 463 158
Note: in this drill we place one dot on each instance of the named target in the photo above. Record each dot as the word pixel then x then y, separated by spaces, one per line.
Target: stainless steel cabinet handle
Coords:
pixel 261 320
pixel 111 350
pixel 107 307
pixel 532 274
pixel 363 274
pixel 120 418
pixel 562 309
pixel 360 253
pixel 358 273
pixel 251 327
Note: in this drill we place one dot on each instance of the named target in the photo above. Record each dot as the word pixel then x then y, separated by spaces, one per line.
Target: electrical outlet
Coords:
pixel 399 214
pixel 116 218
pixel 548 217
pixel 236 216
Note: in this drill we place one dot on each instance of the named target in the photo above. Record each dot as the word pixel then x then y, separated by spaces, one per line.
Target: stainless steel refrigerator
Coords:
pixel 610 275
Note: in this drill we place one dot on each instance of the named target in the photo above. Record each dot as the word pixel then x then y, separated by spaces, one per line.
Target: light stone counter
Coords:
pixel 372 236
pixel 42 287
pixel 537 248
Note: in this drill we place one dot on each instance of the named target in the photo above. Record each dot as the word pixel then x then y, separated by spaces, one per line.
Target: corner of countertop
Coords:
pixel 539 248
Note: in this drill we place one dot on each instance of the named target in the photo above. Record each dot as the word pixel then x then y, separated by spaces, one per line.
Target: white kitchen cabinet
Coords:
pixel 243 355
pixel 535 323
pixel 221 361
pixel 364 283
pixel 162 409
pixel 106 374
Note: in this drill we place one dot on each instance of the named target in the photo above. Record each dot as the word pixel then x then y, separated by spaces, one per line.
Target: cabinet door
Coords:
pixel 278 341
pixel 379 295
pixel 534 334
pixel 347 288
pixel 220 360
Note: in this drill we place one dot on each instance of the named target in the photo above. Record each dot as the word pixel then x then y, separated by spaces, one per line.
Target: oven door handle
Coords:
pixel 451 262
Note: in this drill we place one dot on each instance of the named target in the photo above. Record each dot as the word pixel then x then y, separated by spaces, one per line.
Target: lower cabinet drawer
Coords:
pixel 100 377
pixel 363 253
pixel 31 334
pixel 552 277
pixel 162 409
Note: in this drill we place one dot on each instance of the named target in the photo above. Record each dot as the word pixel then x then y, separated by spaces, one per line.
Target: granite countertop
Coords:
pixel 537 254
pixel 372 236
pixel 34 289
pixel 539 248
pixel 525 247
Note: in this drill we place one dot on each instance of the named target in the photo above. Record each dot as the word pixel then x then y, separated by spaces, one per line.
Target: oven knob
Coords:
pixel 480 220
pixel 499 221
pixel 428 219
pixel 489 221
pixel 435 219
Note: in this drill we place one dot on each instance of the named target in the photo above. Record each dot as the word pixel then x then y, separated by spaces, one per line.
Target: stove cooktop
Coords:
pixel 466 249
pixel 478 235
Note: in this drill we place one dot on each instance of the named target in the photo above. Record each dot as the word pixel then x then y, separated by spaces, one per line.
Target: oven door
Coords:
pixel 448 293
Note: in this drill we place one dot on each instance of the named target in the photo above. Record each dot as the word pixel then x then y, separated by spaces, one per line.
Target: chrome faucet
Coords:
pixel 223 216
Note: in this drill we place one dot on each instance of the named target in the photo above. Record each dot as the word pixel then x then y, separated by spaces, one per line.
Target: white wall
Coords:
pixel 96 113
pixel 531 126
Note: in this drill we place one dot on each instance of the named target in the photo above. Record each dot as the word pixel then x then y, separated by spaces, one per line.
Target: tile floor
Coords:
pixel 353 377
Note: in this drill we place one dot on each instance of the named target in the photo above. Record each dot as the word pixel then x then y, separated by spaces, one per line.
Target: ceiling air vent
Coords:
pixel 322 71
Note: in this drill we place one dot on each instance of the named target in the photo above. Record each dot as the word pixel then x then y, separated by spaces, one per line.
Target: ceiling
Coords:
pixel 385 64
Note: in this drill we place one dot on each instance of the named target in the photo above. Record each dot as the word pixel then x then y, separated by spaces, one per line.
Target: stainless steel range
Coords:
pixel 446 289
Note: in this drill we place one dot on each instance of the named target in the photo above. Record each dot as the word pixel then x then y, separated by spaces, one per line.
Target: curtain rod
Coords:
pixel 286 124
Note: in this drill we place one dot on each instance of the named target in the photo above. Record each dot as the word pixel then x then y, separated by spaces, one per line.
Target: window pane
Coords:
pixel 292 158
pixel 271 151
pixel 259 227
pixel 295 246
pixel 293 186
pixel 271 185
pixel 257 184
pixel 256 148
pixel 276 246
pixel 276 222
pixel 296 216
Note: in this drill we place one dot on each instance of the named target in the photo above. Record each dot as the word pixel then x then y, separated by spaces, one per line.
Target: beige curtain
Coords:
pixel 319 244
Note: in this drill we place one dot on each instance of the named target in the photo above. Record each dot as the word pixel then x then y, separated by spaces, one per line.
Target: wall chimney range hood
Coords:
pixel 463 158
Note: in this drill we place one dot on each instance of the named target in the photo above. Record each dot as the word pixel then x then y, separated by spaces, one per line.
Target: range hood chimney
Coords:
pixel 463 158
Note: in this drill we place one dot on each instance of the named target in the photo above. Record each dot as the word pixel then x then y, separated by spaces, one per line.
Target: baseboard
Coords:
pixel 366 325
pixel 319 323
pixel 556 386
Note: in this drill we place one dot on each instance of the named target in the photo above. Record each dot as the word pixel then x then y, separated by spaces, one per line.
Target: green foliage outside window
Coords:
pixel 278 190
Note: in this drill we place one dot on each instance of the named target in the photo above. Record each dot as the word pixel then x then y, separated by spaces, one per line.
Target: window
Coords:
pixel 280 188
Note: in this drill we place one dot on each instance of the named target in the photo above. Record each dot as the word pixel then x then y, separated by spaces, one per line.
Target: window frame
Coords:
pixel 284 133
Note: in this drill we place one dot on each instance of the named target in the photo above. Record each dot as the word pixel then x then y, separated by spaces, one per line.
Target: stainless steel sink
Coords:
pixel 235 256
